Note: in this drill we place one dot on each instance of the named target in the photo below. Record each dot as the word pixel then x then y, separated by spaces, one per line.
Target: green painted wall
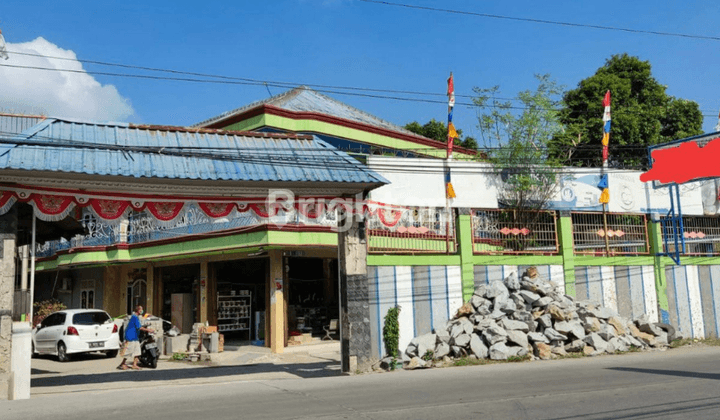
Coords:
pixel 313 126
pixel 191 248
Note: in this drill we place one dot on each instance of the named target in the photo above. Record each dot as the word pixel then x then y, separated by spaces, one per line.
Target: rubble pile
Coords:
pixel 531 316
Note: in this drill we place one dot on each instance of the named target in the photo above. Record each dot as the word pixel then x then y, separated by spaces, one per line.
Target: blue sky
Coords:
pixel 345 43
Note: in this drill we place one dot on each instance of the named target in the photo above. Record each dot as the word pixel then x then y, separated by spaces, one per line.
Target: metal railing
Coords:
pixel 418 230
pixel 514 232
pixel 141 227
pixel 701 235
pixel 626 234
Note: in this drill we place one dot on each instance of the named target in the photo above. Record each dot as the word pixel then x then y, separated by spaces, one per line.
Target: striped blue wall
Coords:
pixel 428 297
pixel 693 293
pixel 486 274
pixel 629 290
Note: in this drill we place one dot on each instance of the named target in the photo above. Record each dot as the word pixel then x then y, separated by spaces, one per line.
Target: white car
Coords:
pixel 74 331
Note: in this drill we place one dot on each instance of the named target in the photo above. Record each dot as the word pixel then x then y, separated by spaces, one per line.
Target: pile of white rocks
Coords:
pixel 530 316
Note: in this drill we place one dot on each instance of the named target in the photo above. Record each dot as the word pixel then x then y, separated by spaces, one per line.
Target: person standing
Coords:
pixel 132 340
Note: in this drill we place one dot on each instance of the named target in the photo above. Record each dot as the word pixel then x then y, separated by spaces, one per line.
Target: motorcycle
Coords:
pixel 148 349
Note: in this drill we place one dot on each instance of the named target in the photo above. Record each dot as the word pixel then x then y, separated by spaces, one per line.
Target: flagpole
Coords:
pixel 449 192
pixel 605 196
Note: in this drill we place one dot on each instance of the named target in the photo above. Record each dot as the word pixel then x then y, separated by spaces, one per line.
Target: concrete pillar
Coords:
pixel 8 230
pixel 203 291
pixel 656 247
pixel 565 241
pixel 276 311
pixel 356 344
pixel 465 249
pixel 150 290
pixel 19 383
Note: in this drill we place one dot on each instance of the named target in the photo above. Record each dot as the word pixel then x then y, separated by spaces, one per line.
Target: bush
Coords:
pixel 45 308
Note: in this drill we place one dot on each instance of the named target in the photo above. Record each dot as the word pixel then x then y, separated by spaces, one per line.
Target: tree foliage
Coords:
pixel 437 130
pixel 515 140
pixel 643 114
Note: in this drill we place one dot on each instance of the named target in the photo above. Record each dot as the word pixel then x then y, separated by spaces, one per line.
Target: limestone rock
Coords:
pixel 607 332
pixel 495 289
pixel 545 321
pixel 480 291
pixel 529 296
pixel 570 327
pixel 415 363
pixel 556 313
pixel 588 351
pixel 603 313
pixel 553 335
pixel 477 347
pixel 646 338
pixel 499 351
pixel 411 350
pixel 542 302
pixel 517 337
pixel 575 346
pixel 591 325
pixel 537 337
pixel 559 350
pixel 495 334
pixel 619 344
pixel 511 324
pixel 478 301
pixel 512 282
pixel 542 350
pixel 442 350
pixel 461 340
pixel 465 310
pixel 426 342
pixel 597 342
pixel 618 324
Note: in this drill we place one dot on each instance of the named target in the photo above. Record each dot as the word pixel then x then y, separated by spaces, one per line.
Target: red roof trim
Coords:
pixel 273 110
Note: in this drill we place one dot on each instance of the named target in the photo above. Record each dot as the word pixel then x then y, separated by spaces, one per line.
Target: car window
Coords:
pixel 48 320
pixel 90 318
pixel 60 319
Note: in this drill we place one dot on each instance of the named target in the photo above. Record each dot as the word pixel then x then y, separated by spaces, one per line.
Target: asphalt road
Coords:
pixel 675 384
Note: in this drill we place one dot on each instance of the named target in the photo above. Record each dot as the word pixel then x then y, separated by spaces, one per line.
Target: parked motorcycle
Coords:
pixel 149 354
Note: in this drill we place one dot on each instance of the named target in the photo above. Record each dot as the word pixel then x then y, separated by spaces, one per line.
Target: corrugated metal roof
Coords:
pixel 15 124
pixel 179 153
pixel 304 99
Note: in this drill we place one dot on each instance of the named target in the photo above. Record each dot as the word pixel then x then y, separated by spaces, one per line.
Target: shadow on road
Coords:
pixel 306 370
pixel 682 373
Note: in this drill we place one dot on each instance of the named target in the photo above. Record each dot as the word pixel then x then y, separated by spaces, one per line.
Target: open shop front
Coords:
pixel 240 300
pixel 312 297
pixel 180 295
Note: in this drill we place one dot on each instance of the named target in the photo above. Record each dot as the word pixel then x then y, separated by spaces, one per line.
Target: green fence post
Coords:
pixel 656 247
pixel 465 249
pixel 565 239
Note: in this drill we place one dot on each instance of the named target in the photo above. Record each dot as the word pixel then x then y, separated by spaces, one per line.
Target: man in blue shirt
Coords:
pixel 132 339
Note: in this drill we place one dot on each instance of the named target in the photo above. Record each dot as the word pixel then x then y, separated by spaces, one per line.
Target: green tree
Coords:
pixel 643 114
pixel 515 141
pixel 437 130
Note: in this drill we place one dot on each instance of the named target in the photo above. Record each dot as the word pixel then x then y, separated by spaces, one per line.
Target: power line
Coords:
pixel 549 22
pixel 281 85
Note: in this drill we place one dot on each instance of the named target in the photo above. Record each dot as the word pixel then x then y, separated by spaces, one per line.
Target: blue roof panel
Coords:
pixel 178 153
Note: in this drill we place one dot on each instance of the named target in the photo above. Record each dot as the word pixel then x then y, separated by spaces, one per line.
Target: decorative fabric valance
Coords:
pixel 53 204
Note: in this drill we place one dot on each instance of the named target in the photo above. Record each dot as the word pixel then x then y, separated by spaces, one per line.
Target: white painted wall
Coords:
pixel 421 182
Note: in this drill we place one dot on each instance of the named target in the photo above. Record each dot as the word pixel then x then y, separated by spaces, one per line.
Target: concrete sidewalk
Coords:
pixel 92 372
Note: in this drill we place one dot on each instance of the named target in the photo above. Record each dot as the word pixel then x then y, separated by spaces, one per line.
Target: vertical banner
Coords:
pixel 452 134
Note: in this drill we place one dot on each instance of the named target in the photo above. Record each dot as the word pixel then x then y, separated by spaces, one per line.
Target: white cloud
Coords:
pixel 56 93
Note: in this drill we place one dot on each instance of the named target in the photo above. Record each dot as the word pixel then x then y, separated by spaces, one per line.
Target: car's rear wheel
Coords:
pixel 62 353
pixel 111 354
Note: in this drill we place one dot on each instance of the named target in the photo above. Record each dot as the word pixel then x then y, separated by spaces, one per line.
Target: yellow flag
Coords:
pixel 452 132
pixel 605 196
pixel 606 139
pixel 450 190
